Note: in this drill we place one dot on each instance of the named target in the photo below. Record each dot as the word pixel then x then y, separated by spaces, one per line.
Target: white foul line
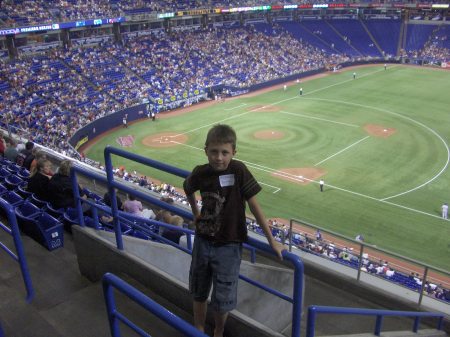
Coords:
pixel 412 120
pixel 320 119
pixel 277 189
pixel 259 167
pixel 359 141
pixel 236 107
pixel 275 103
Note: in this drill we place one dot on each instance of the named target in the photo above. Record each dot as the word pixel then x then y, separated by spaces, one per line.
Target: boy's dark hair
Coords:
pixel 222 134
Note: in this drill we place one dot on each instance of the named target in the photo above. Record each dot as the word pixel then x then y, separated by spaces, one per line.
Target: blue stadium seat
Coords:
pixel 12 198
pixel 13 168
pixel 23 173
pixel 12 182
pixel 70 217
pixel 3 189
pixel 46 230
pixel 4 173
pixel 22 190
pixel 54 212
pixel 38 202
pixel 25 214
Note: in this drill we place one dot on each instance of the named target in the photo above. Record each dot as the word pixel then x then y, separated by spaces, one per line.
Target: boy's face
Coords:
pixel 219 155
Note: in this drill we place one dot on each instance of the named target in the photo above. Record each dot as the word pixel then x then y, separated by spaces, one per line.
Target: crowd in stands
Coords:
pixel 53 94
pixel 316 244
pixel 27 12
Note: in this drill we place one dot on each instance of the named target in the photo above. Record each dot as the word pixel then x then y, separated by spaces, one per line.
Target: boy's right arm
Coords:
pixel 193 202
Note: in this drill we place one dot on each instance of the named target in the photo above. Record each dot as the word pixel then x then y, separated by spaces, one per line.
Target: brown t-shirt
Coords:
pixel 223 200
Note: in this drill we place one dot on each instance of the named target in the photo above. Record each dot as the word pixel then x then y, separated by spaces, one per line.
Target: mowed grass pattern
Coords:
pixel 388 189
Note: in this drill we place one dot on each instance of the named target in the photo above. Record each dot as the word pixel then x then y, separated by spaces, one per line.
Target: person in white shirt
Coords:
pixel 445 211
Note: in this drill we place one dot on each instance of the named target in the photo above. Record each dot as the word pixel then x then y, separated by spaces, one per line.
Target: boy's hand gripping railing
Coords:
pixel 13 230
pixel 380 314
pixel 114 316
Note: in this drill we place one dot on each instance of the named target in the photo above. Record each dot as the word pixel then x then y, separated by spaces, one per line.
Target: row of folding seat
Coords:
pixel 41 221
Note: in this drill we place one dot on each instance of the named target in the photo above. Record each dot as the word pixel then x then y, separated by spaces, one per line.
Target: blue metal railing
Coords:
pixel 13 230
pixel 113 184
pixel 379 314
pixel 296 299
pixel 115 317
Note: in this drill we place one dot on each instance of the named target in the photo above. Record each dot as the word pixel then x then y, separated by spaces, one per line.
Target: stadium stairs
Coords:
pixel 371 37
pixel 342 37
pixel 402 37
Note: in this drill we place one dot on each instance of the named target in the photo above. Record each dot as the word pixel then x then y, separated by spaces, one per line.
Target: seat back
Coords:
pixel 12 181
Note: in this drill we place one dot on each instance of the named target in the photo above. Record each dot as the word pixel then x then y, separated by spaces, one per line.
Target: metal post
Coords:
pixel 112 194
pixel 422 288
pixel 378 325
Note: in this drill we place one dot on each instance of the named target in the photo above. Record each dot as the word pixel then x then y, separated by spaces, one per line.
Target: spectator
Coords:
pixel 39 155
pixel 173 234
pixel 29 159
pixel 25 153
pixel 11 151
pixel 39 180
pixel 60 188
pixel 107 200
pixel 133 206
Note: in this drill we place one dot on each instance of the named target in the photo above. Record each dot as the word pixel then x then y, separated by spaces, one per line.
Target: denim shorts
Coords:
pixel 215 265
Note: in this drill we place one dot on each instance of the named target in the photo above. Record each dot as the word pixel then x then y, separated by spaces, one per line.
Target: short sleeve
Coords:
pixel 250 186
pixel 189 184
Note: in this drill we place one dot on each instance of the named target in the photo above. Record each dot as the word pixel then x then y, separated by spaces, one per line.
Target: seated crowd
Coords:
pixel 316 244
pixel 54 94
pixel 28 12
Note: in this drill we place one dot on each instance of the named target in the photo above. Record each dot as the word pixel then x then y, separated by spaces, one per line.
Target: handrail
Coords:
pixel 13 230
pixel 363 246
pixel 379 314
pixel 112 184
pixel 114 316
pixel 296 299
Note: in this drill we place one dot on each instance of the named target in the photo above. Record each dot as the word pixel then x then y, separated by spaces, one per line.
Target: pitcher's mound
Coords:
pixel 300 175
pixel 379 130
pixel 165 139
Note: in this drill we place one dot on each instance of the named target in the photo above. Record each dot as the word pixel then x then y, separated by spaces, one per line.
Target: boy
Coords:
pixel 225 184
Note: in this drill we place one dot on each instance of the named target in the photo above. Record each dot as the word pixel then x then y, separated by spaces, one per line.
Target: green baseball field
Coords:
pixel 380 142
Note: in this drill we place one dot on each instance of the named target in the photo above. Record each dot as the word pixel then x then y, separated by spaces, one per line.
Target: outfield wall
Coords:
pixel 105 124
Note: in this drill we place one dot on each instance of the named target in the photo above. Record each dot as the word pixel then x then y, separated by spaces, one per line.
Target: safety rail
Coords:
pixel 132 220
pixel 379 314
pixel 363 247
pixel 296 300
pixel 111 281
pixel 20 258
